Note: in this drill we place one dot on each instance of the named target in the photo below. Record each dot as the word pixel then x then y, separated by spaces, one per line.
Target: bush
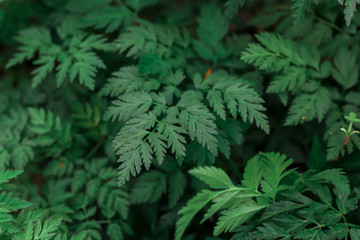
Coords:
pixel 132 119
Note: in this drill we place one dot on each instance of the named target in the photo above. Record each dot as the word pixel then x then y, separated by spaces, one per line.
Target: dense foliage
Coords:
pixel 132 119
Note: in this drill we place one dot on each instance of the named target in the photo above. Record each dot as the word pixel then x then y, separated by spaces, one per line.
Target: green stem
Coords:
pixel 350 127
pixel 340 213
pixel 330 24
pixel 104 221
pixel 97 146
pixel 155 128
pixel 353 225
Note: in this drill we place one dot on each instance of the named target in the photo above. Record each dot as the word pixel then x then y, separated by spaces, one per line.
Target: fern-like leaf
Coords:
pixel 148 188
pixel 126 80
pixel 243 99
pixel 274 172
pixel 173 133
pixel 309 106
pixel 199 123
pixel 235 217
pixel 214 177
pixel 345 71
pixel 108 17
pixel 350 9
pixel 6 175
pixel 300 8
pixel 253 173
pixel 177 184
pixel 232 6
pixel 33 39
pixel 189 211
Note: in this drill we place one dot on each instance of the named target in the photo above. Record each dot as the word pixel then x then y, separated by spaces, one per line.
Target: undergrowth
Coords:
pixel 131 119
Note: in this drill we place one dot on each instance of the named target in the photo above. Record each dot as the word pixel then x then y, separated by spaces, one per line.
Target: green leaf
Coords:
pixel 271 229
pixel 345 203
pixel 80 236
pixel 336 177
pixel 345 72
pixel 47 64
pixel 293 78
pixel 235 217
pixel 158 143
pixel 47 230
pixel 135 39
pixel 150 38
pixel 175 140
pixel 137 5
pixel 41 122
pixel 133 151
pixel 229 199
pixel 355 233
pixel 253 173
pixel 177 184
pixel 276 53
pixel 274 172
pixel 212 25
pixel 352 97
pixel 233 129
pixel 33 39
pixel 322 191
pixel 352 118
pixel 306 107
pixel 198 121
pixel 84 6
pixel 148 188
pixel 238 96
pixel 243 99
pixel 152 64
pixel 217 103
pixel 190 210
pixel 22 153
pixel 29 232
pixel 212 29
pixel 126 80
pixel 108 17
pixel 350 9
pixel 272 56
pixel 114 231
pixel 129 105
pixel 85 68
pixel 75 56
pixel 214 177
pixel 6 175
pixel 12 204
pixel 335 145
pixel 63 69
pixel 232 7
pixel 300 8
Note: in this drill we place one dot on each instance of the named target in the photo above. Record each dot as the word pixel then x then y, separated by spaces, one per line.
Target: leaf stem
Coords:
pixel 353 225
pixel 330 24
pixel 97 146
pixel 350 127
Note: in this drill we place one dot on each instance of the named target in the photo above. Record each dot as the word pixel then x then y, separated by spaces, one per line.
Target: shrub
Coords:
pixel 127 119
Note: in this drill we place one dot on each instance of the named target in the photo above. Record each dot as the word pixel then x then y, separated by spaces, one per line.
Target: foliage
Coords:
pixel 124 119
pixel 266 200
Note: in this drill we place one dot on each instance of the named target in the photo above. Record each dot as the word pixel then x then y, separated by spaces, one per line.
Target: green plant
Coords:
pixel 126 118
pixel 269 197
pixel 18 224
pixel 352 119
